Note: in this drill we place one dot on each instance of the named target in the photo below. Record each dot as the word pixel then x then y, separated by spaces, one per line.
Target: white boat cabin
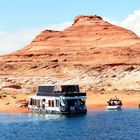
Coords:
pixel 58 99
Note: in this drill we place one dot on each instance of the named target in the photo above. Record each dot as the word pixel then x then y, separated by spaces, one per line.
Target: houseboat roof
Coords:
pixel 59 90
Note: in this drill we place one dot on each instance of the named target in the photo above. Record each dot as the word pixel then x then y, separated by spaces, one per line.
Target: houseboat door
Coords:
pixel 71 104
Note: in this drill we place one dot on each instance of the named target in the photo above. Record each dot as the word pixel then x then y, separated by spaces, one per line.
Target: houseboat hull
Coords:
pixel 56 111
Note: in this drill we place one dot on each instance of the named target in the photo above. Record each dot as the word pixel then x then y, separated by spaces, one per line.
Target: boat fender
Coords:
pixel 61 101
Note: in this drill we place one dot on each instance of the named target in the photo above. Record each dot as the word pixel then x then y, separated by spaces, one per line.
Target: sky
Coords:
pixel 22 20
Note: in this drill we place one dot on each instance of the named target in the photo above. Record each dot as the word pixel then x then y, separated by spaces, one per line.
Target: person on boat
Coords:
pixel 119 103
pixel 113 103
pixel 109 103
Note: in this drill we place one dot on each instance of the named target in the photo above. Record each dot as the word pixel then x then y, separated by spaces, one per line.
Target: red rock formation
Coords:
pixel 90 48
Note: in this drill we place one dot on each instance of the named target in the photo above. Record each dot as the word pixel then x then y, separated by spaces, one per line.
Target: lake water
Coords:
pixel 101 125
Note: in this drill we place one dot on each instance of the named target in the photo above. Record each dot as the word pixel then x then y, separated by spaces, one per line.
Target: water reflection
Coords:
pixel 46 116
pixel 54 116
pixel 31 117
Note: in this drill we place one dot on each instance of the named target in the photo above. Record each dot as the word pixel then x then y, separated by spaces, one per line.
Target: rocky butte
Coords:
pixel 90 52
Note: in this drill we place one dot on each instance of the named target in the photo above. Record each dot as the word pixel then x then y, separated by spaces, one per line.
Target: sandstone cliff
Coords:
pixel 91 52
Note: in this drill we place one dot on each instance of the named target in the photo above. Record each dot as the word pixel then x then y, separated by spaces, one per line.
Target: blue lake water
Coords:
pixel 101 125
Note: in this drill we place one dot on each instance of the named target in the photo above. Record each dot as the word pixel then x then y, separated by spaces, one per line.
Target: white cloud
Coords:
pixel 132 22
pixel 12 41
pixel 112 21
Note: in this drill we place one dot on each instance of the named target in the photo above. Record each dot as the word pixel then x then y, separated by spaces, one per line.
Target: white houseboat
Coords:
pixel 58 99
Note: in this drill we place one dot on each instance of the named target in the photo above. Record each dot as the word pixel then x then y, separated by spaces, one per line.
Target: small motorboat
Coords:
pixel 114 104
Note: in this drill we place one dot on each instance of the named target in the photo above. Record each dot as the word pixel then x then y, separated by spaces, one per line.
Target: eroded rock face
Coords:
pixel 91 51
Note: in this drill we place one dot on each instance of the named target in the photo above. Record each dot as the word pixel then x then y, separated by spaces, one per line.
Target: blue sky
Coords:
pixel 26 18
pixel 20 14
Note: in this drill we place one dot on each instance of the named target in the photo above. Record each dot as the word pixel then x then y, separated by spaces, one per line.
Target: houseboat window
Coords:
pixel 38 103
pixel 57 103
pixel 35 102
pixel 52 103
pixel 43 103
pixel 49 103
pixel 31 101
